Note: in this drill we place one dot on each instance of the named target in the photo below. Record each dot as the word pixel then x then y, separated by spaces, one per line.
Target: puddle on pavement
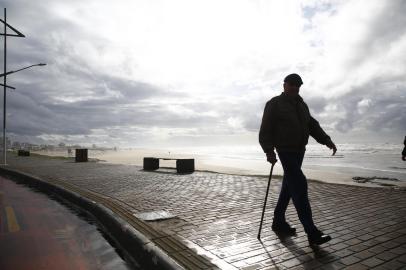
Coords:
pixel 168 225
pixel 155 215
pixel 38 231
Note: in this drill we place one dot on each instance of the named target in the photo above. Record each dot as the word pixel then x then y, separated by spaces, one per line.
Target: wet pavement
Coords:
pixel 217 216
pixel 37 232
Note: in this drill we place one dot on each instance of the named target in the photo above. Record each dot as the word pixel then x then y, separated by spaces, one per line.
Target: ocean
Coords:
pixel 369 163
pixel 379 161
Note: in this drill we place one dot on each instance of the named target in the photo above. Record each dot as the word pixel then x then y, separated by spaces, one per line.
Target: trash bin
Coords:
pixel 23 153
pixel 81 155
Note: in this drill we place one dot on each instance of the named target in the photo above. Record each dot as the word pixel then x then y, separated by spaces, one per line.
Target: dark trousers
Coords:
pixel 294 185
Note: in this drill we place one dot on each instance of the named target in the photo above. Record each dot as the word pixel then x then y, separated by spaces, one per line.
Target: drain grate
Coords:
pixel 155 215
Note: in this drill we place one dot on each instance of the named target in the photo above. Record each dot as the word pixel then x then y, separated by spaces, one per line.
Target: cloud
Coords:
pixel 377 107
pixel 190 71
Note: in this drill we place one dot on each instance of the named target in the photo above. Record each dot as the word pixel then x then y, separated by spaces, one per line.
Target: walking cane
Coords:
pixel 266 198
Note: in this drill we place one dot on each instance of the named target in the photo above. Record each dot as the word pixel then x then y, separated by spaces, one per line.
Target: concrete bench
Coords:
pixel 183 165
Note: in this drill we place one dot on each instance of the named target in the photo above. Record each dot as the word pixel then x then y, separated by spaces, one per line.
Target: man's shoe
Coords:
pixel 318 238
pixel 283 228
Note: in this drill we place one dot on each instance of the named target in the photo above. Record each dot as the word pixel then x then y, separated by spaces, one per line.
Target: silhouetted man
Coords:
pixel 286 126
pixel 404 150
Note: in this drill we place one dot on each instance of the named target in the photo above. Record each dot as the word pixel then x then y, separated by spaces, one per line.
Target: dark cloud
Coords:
pixel 376 106
pixel 373 107
pixel 385 30
pixel 316 104
pixel 79 117
pixel 388 27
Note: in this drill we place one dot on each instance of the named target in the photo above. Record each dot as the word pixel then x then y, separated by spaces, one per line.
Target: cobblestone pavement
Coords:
pixel 221 213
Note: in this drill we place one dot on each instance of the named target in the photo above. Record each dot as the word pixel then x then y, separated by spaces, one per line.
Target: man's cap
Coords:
pixel 293 79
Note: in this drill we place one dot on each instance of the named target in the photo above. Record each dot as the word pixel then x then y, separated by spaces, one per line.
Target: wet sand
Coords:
pixel 328 174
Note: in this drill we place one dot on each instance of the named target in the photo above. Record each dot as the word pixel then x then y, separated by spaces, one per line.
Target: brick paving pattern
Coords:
pixel 220 214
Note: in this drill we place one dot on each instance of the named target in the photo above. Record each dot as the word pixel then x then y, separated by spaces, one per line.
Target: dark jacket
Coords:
pixel 404 149
pixel 287 124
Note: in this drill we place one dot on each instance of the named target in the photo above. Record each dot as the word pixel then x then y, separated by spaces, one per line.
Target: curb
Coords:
pixel 136 246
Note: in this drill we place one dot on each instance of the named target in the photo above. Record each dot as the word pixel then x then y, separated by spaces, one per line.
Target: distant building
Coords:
pixel 16 145
pixel 8 143
pixel 62 145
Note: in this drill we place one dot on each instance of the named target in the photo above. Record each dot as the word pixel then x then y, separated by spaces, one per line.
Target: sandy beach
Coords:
pixel 329 173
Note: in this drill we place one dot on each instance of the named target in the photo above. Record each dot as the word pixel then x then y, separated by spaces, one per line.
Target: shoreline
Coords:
pixel 323 174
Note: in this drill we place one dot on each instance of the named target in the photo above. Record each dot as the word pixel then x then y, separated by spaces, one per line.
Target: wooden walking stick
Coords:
pixel 266 198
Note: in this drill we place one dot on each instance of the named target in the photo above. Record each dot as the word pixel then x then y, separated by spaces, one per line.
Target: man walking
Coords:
pixel 286 126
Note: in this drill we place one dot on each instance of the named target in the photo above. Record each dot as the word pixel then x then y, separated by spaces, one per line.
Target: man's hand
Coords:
pixel 331 145
pixel 271 157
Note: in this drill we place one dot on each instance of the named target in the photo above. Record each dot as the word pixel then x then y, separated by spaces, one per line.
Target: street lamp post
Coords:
pixel 14 71
pixel 4 75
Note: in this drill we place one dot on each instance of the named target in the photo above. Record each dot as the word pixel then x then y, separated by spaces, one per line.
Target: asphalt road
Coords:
pixel 37 232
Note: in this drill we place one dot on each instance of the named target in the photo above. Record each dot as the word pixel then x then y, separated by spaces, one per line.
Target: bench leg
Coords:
pixel 185 165
pixel 151 164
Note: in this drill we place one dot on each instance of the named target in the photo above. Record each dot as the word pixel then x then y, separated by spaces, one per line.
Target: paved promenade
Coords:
pixel 218 215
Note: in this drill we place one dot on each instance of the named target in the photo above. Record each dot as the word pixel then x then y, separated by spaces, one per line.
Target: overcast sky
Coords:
pixel 158 73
